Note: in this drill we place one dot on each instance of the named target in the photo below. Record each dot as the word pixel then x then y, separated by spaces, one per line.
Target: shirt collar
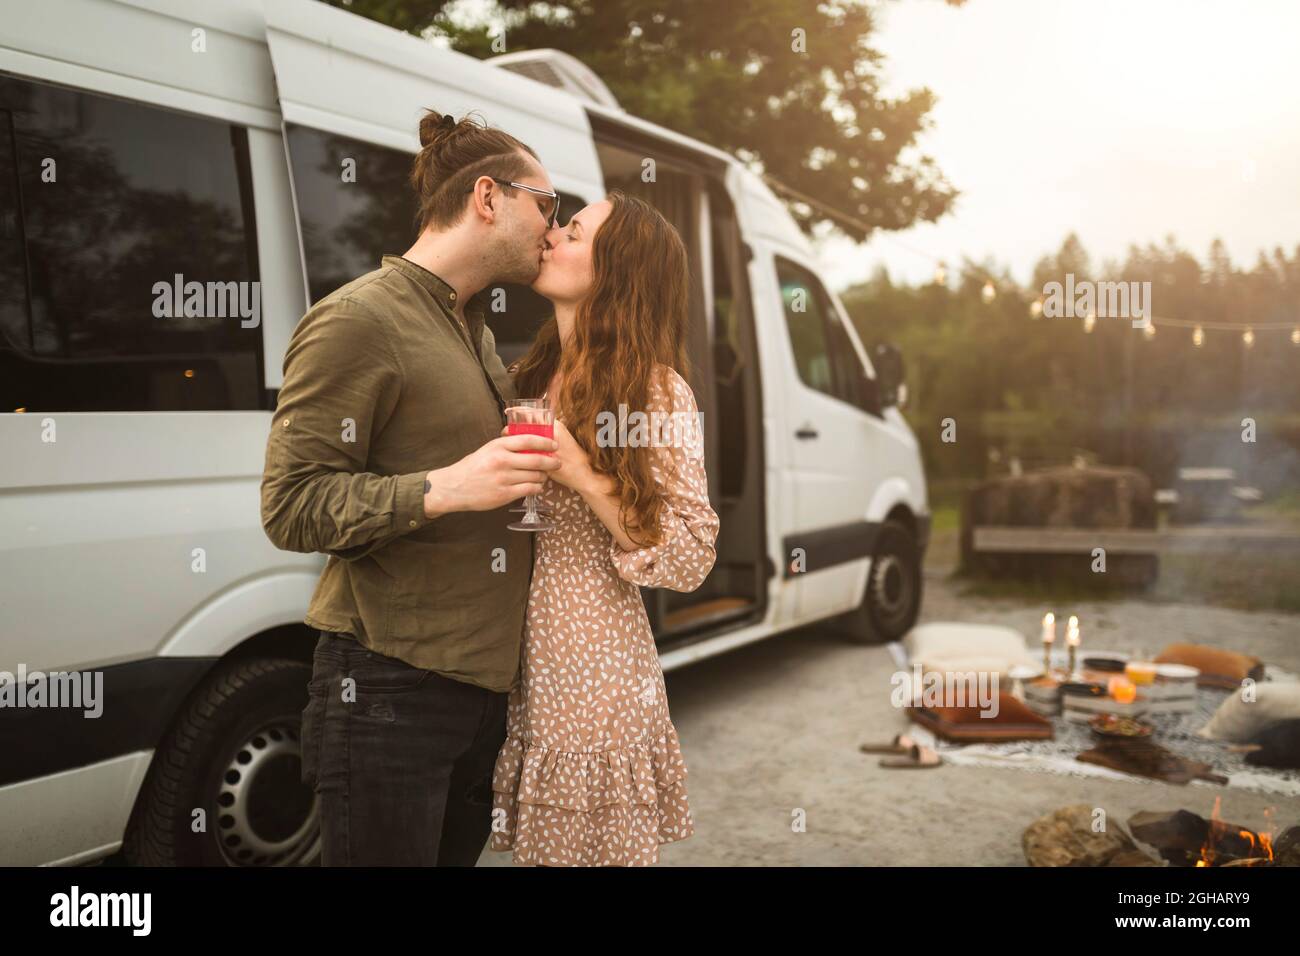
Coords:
pixel 439 288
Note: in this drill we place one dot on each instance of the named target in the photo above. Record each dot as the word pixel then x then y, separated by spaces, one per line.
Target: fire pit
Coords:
pixel 1172 838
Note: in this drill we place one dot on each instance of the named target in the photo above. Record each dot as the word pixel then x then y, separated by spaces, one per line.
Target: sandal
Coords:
pixel 901 744
pixel 922 758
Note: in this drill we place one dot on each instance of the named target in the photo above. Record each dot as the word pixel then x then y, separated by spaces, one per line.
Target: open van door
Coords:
pixel 686 183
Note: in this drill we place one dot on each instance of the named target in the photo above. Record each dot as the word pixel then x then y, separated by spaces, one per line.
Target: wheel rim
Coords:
pixel 265 815
pixel 891 587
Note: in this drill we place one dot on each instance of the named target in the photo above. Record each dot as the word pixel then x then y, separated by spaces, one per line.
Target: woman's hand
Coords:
pixel 575 468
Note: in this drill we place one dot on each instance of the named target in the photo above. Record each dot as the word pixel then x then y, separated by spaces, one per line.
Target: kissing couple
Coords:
pixel 471 684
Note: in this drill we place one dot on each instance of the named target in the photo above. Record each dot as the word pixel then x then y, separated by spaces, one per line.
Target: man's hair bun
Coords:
pixel 435 127
pixel 453 154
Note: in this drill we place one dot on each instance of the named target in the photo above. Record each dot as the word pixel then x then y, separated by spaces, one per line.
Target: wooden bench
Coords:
pixel 1017 540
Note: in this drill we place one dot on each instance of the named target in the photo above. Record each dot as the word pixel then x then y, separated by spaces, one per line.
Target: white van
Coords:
pixel 180 141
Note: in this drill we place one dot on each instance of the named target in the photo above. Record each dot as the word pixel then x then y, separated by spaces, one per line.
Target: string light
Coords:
pixel 989 290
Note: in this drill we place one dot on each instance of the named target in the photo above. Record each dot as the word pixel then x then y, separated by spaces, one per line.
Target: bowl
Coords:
pixel 1117 727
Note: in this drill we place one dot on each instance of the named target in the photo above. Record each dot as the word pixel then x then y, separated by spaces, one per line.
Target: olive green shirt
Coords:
pixel 382 383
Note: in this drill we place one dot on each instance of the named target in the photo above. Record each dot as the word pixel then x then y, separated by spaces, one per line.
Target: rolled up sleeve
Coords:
pixel 686 552
pixel 341 384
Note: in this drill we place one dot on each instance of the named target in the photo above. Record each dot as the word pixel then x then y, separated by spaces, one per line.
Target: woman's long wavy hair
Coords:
pixel 634 317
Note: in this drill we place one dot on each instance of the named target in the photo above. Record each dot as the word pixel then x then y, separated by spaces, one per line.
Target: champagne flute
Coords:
pixel 530 416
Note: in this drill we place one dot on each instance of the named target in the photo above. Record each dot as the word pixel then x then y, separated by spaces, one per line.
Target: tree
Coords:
pixel 790 86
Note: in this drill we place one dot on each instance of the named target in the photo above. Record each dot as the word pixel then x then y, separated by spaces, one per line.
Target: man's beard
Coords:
pixel 523 270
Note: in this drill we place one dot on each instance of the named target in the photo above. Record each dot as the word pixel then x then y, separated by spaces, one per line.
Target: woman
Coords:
pixel 591 772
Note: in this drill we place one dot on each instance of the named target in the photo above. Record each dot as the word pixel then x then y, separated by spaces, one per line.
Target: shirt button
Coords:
pixel 286 423
pixel 453 297
pixel 413 522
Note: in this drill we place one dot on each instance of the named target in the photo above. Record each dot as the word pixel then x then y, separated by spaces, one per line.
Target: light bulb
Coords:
pixel 1198 337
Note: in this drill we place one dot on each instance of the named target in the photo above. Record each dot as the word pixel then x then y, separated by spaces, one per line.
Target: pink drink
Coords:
pixel 532 428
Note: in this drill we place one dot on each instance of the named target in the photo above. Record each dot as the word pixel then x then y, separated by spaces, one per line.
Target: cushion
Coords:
pixel 1219 668
pixel 1237 721
pixel 1014 721
pixel 957 647
pixel 1279 746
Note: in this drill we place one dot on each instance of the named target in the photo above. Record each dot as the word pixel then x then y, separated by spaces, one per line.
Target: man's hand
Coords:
pixel 575 467
pixel 502 471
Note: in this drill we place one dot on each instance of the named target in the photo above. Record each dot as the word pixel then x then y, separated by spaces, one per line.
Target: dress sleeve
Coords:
pixel 685 555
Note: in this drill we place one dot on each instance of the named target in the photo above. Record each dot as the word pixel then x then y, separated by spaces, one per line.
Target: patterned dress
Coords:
pixel 591 772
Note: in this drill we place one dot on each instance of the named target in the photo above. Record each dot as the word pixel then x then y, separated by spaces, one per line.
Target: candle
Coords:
pixel 1072 641
pixel 1049 636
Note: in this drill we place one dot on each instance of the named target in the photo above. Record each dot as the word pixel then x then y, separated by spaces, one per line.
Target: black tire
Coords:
pixel 235 753
pixel 891 600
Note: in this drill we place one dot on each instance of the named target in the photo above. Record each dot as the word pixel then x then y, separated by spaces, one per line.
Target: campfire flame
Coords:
pixel 1261 844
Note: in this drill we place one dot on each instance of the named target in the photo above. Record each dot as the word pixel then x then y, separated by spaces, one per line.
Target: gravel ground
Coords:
pixel 770 735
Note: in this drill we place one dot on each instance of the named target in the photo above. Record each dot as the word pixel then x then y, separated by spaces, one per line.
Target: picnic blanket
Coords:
pixel 1175 732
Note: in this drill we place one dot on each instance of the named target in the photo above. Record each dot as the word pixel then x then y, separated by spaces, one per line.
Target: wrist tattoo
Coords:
pixel 428 486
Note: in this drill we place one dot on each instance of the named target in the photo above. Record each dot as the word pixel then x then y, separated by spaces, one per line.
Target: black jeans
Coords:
pixel 403 772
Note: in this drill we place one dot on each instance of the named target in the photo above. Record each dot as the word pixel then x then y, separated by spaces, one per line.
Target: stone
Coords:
pixel 1065 838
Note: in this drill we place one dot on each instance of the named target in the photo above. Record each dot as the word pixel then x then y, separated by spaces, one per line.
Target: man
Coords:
pixel 386 454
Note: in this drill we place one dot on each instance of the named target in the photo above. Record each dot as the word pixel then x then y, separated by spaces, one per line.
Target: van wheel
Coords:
pixel 234 754
pixel 892 598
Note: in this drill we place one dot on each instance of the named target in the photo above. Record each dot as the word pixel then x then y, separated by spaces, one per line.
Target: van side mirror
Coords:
pixel 888 362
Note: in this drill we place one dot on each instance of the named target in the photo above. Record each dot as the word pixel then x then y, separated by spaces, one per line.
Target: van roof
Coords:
pixel 332 69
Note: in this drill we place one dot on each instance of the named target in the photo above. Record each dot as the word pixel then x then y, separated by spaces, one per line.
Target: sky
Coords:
pixel 1122 121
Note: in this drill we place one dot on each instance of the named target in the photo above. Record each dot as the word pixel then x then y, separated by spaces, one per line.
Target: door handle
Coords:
pixel 806 431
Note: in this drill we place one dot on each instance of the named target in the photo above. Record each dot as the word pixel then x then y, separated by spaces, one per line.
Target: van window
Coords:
pixel 356 204
pixel 115 205
pixel 15 330
pixel 822 349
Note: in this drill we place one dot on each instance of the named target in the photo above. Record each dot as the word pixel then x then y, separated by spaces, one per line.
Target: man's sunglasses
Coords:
pixel 551 211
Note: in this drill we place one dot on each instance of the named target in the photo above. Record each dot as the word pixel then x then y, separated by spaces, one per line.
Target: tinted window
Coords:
pixel 823 352
pixel 117 204
pixel 15 330
pixel 355 204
